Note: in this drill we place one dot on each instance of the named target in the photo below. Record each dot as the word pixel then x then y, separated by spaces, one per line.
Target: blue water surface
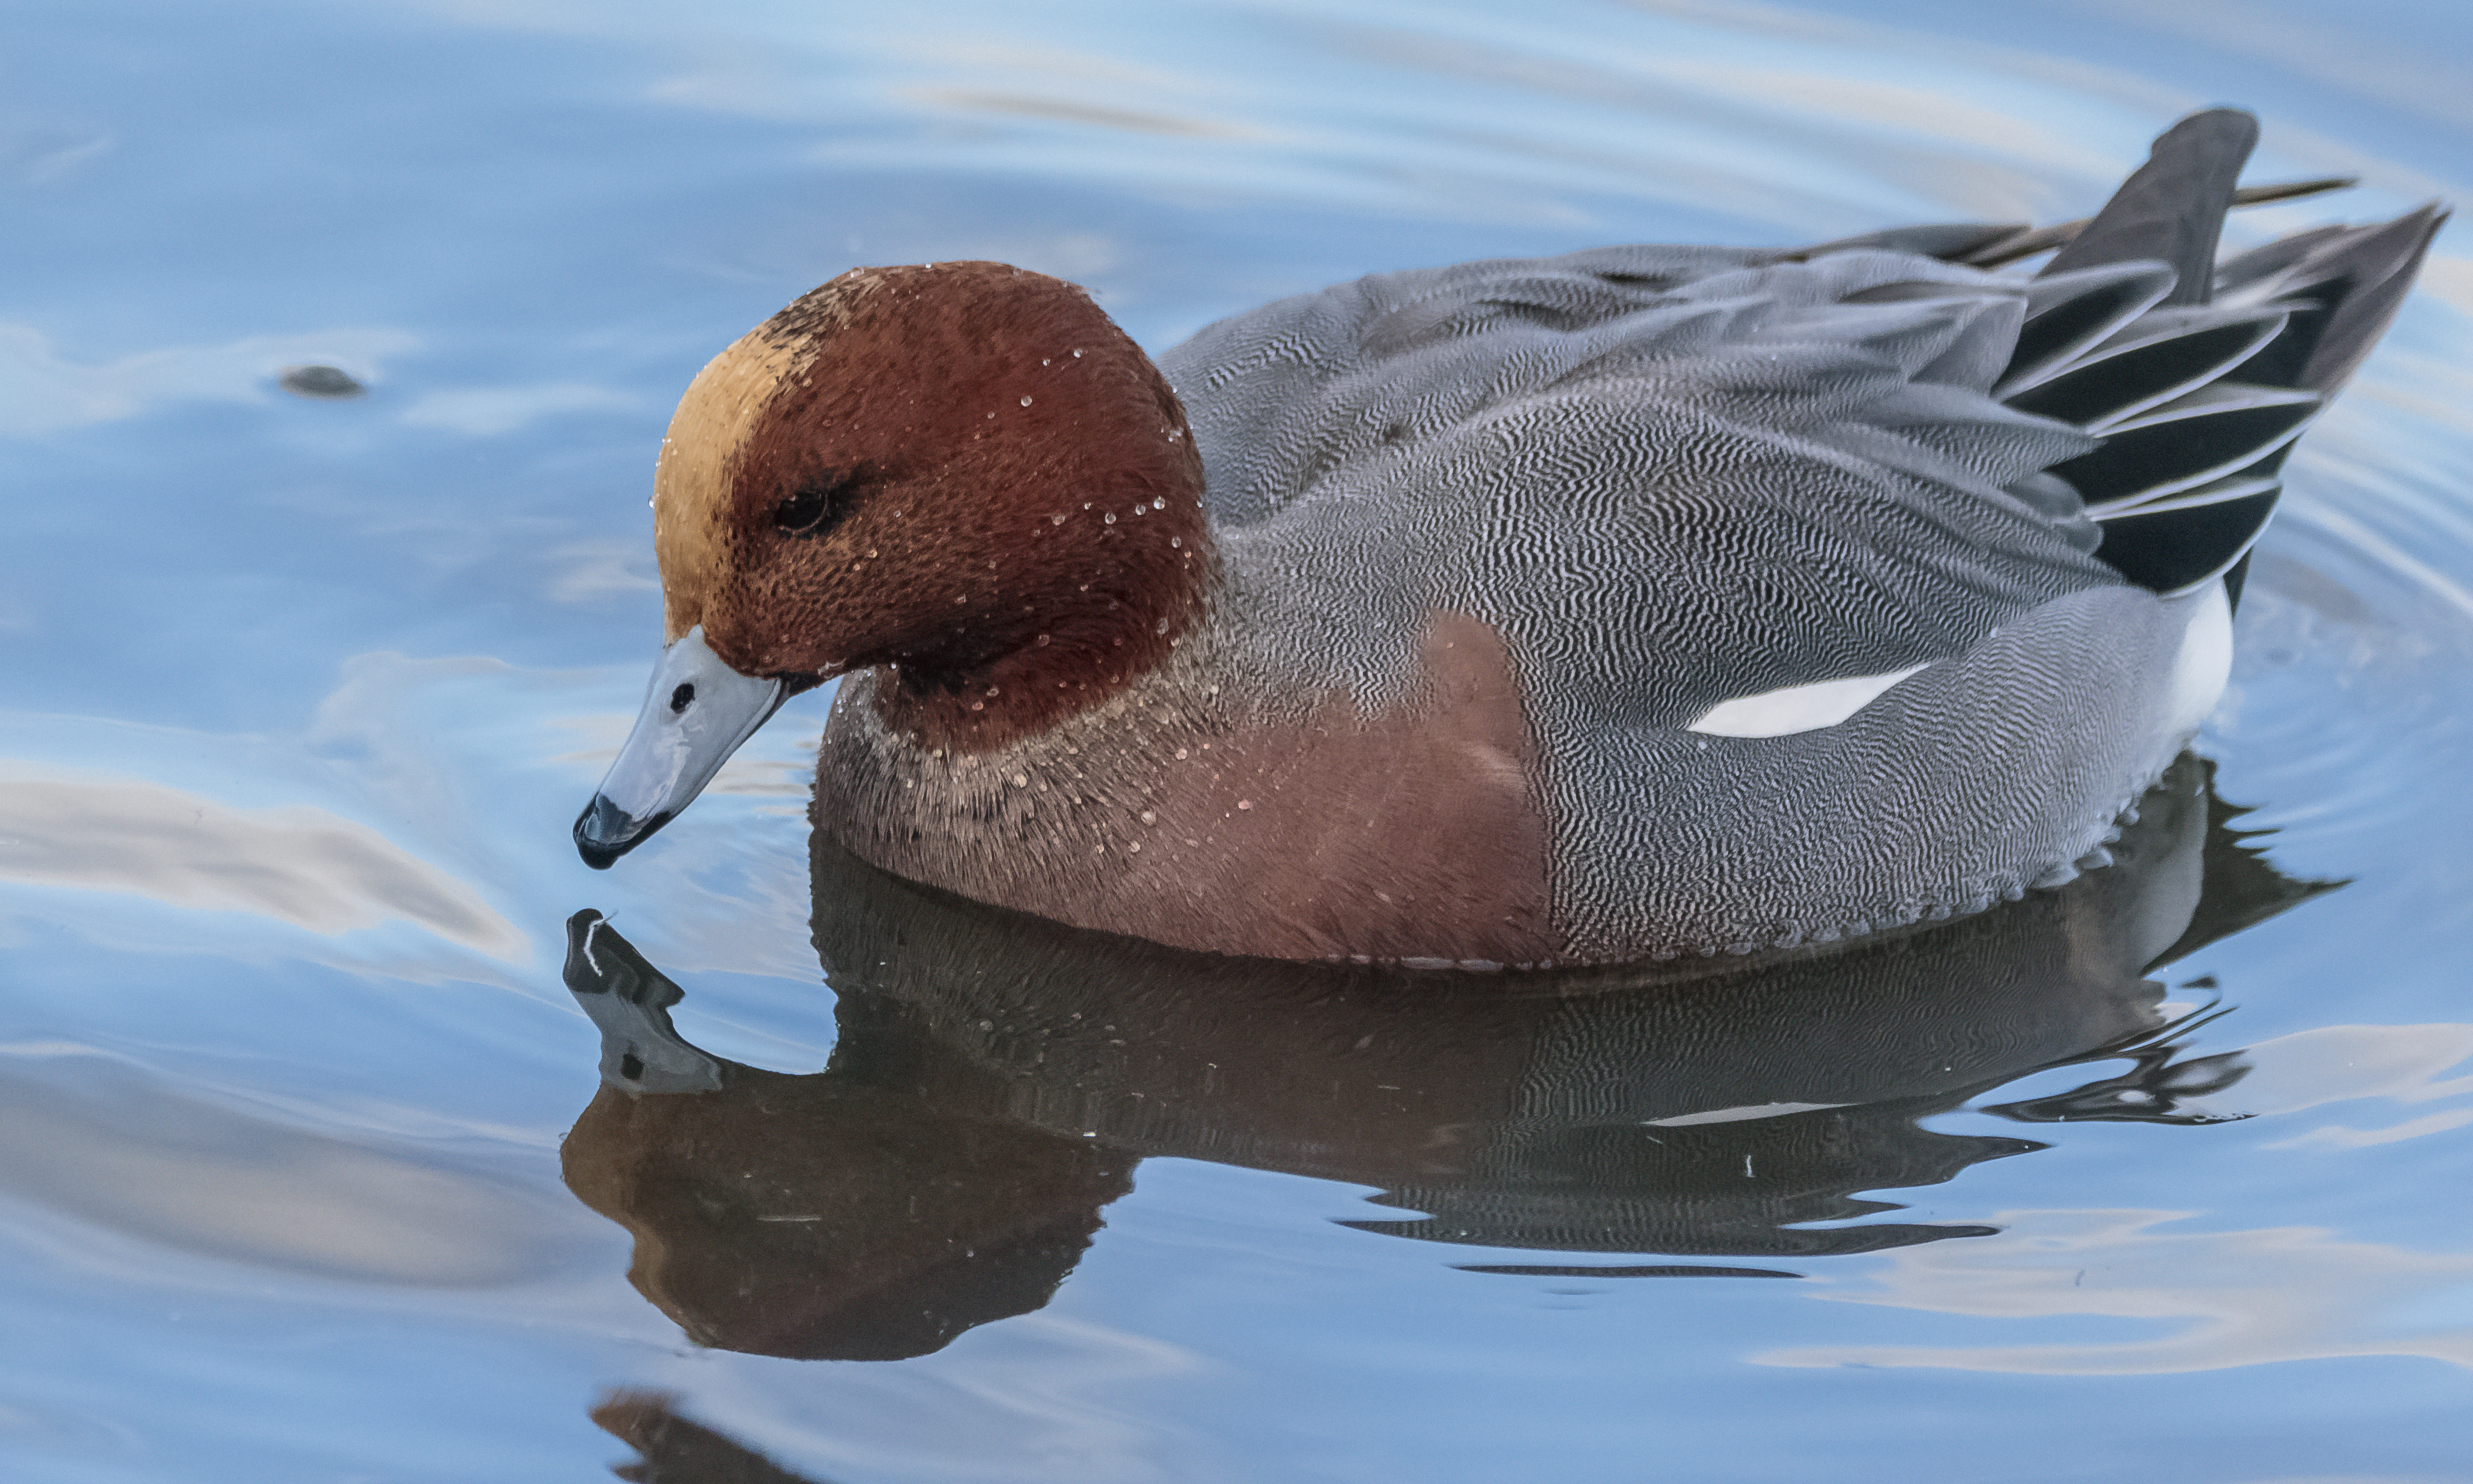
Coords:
pixel 303 693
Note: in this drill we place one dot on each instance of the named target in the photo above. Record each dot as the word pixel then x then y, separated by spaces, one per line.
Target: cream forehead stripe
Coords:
pixel 700 459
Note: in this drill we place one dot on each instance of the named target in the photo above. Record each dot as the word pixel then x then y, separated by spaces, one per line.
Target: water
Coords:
pixel 303 694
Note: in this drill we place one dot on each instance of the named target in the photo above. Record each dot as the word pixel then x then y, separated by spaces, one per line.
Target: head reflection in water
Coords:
pixel 870 1212
pixel 998 1076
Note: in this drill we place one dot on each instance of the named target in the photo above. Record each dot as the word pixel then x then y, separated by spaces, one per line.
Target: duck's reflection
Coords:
pixel 997 1077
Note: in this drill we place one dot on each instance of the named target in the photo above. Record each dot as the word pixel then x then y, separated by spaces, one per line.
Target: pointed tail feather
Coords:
pixel 2172 210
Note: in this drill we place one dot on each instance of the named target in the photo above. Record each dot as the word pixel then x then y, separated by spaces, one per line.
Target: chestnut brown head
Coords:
pixel 928 467
pixel 963 472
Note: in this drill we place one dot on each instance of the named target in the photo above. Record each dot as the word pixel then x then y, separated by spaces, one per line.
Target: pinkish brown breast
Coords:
pixel 1178 814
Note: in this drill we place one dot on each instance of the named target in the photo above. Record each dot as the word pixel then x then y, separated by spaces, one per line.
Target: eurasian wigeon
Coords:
pixel 1642 602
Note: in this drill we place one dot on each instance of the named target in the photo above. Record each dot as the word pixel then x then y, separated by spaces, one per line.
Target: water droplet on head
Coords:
pixel 1077 355
pixel 1176 540
pixel 1025 401
pixel 1021 780
pixel 1158 503
pixel 1150 817
pixel 1112 517
pixel 1042 642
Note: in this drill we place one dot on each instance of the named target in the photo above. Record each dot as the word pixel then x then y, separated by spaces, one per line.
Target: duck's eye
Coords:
pixel 681 698
pixel 821 503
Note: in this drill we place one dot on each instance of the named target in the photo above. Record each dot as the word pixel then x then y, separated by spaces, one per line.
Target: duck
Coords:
pixel 1638 603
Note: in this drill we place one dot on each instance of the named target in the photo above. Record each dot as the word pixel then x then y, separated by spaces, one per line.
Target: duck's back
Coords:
pixel 1744 474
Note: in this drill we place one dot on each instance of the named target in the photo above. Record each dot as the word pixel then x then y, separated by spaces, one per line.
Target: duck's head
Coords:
pixel 961 472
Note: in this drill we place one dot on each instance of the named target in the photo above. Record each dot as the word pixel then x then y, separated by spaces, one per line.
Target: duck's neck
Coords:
pixel 1101 596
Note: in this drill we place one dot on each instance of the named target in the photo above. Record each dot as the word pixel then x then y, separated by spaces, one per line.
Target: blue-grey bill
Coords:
pixel 696 713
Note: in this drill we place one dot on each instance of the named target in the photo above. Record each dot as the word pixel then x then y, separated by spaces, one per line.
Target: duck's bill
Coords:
pixel 696 713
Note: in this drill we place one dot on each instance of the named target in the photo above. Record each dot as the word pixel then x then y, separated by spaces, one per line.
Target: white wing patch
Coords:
pixel 1807 707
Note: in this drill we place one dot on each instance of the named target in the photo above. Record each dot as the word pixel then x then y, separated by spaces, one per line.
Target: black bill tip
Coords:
pixel 605 831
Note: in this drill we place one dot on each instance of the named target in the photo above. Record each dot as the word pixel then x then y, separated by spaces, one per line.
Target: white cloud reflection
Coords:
pixel 1677 100
pixel 297 864
pixel 2205 1300
pixel 2428 80
pixel 2196 1300
pixel 40 155
pixel 590 571
pixel 115 1149
pixel 2335 1063
pixel 487 411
